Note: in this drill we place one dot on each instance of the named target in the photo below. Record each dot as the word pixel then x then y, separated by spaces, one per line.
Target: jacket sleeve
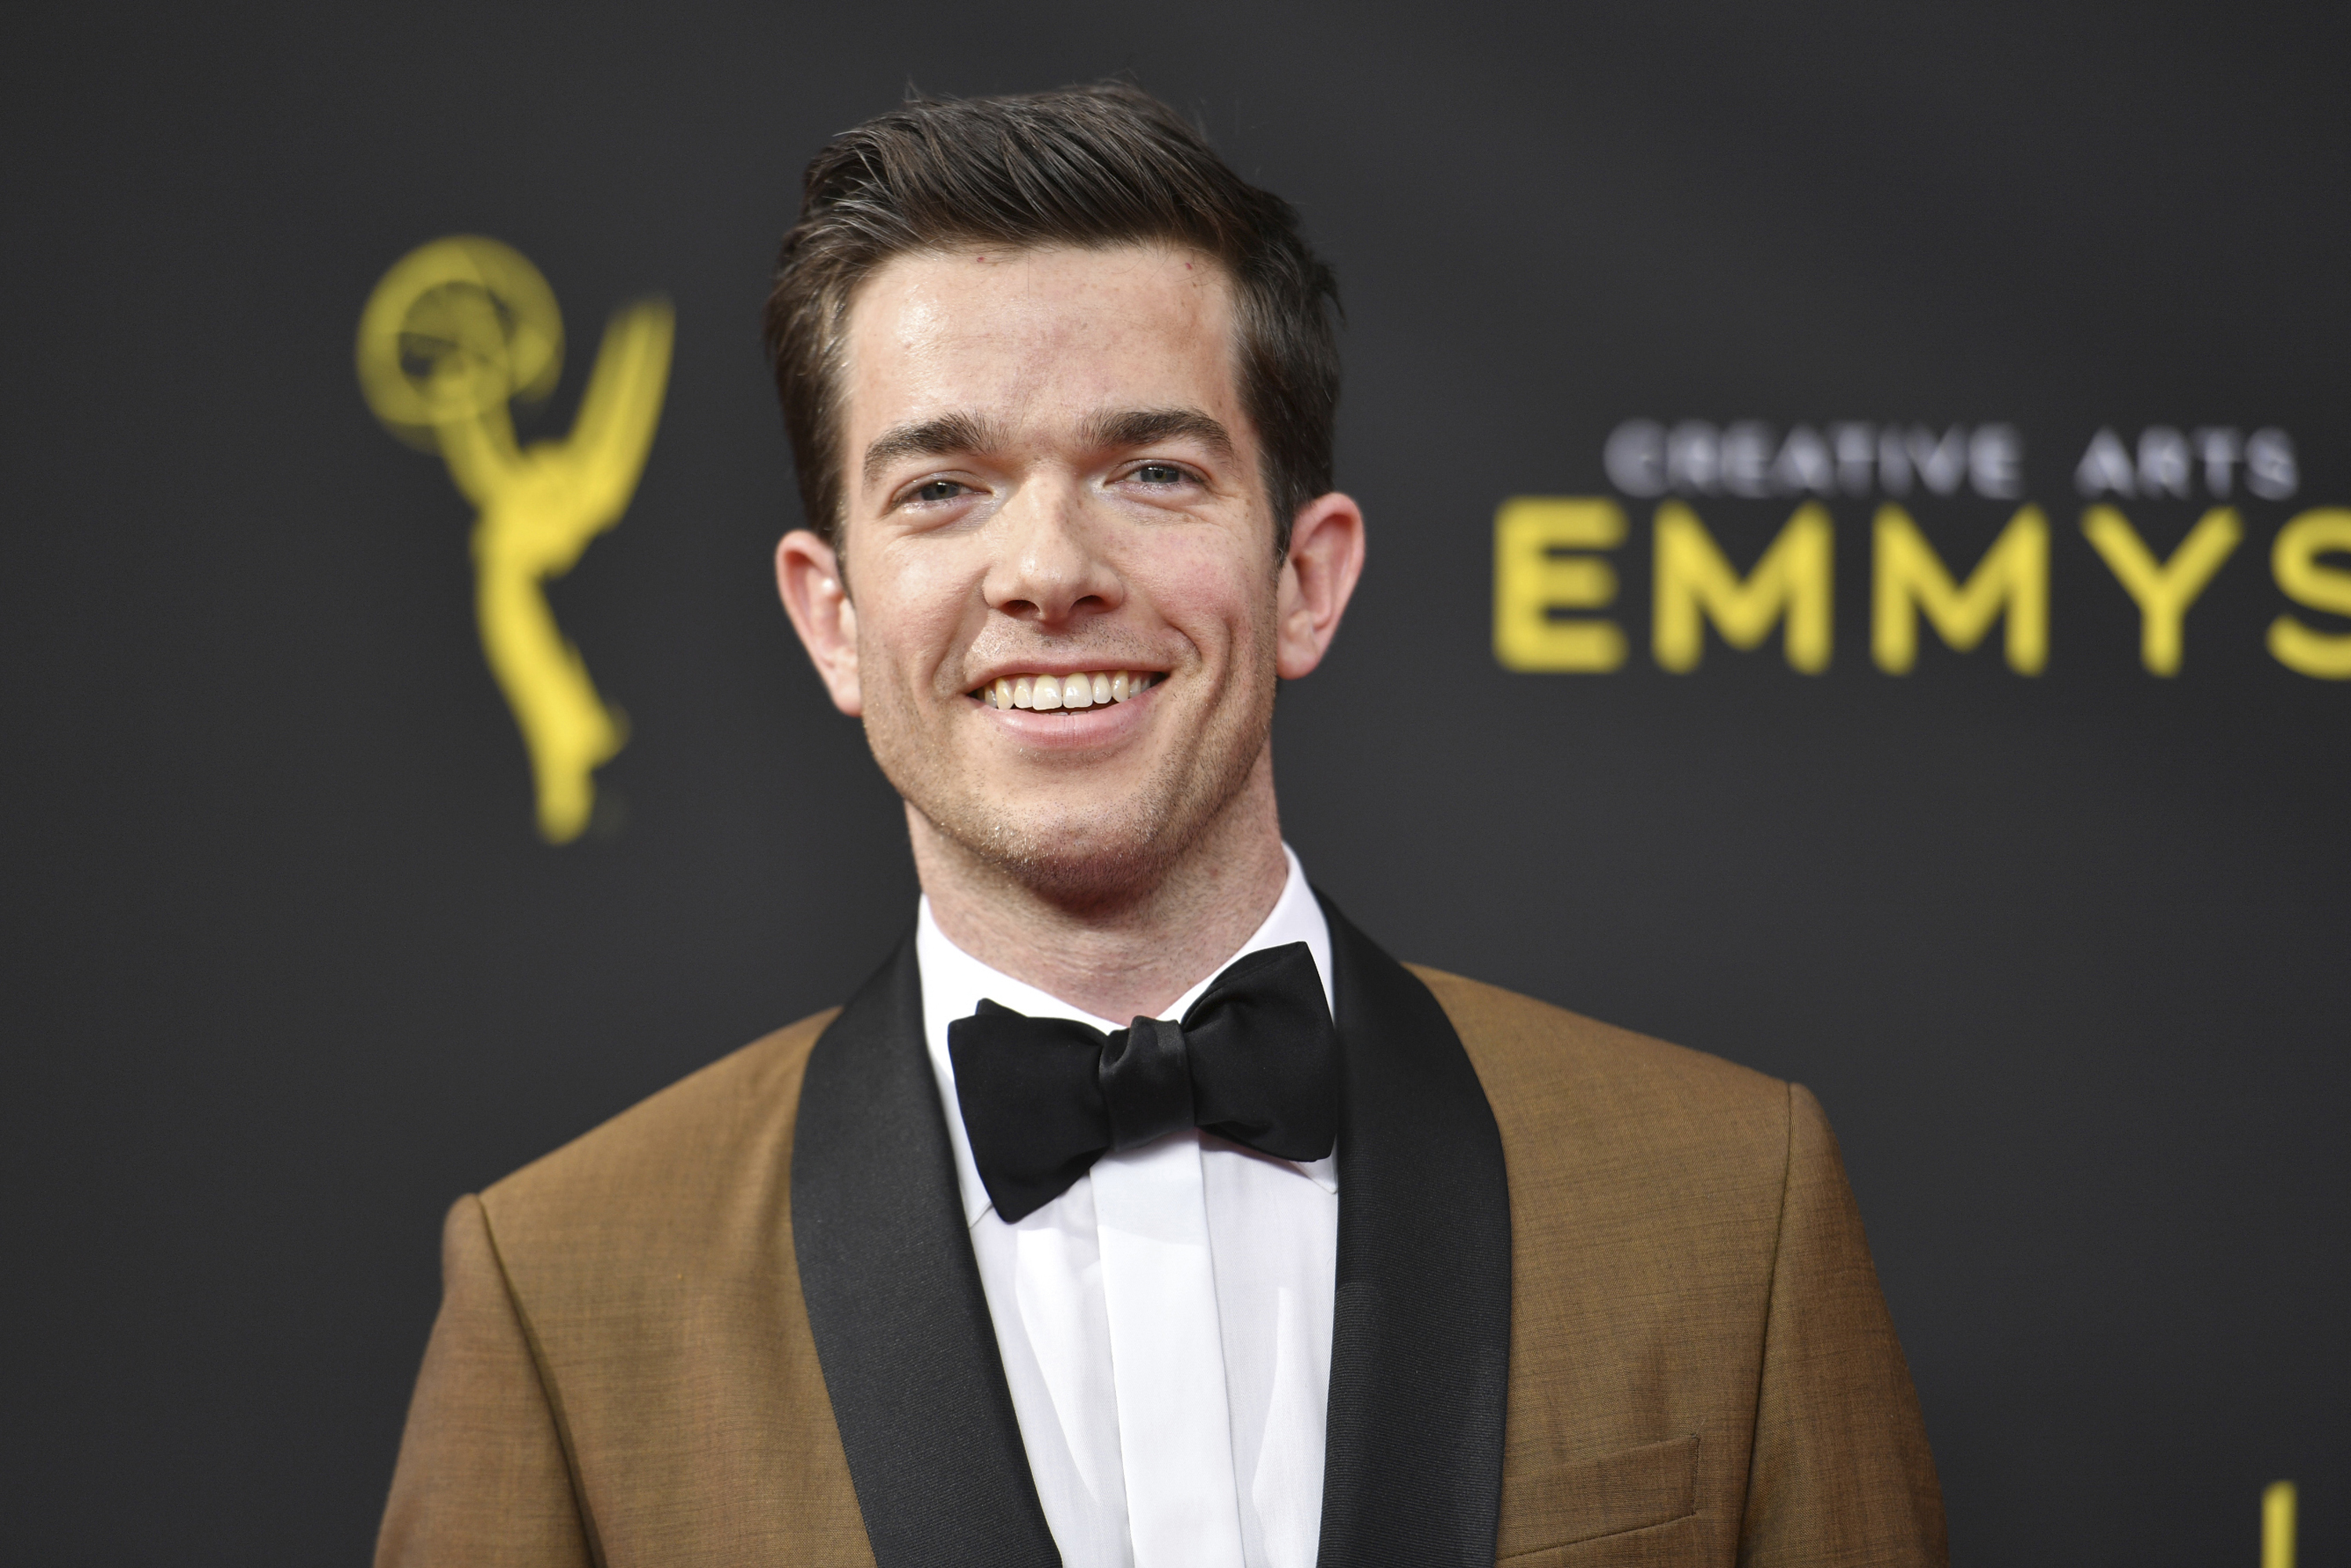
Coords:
pixel 482 1478
pixel 1841 1474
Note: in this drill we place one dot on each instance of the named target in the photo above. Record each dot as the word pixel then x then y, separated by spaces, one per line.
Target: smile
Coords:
pixel 1083 689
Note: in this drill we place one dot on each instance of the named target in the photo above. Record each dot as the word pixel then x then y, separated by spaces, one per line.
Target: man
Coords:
pixel 1139 1210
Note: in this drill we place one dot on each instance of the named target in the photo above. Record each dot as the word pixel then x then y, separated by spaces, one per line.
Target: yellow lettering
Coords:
pixel 1910 577
pixel 2277 1525
pixel 2293 561
pixel 457 330
pixel 1533 578
pixel 2163 591
pixel 1693 580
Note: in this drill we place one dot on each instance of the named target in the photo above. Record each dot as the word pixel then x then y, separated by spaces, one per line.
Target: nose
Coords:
pixel 1048 567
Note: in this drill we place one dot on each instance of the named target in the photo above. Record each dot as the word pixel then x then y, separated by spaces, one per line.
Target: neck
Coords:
pixel 1123 951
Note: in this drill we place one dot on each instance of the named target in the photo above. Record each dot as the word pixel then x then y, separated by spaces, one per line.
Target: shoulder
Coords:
pixel 673 1153
pixel 1577 1099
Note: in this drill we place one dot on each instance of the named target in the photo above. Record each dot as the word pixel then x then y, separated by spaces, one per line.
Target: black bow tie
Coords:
pixel 1255 1059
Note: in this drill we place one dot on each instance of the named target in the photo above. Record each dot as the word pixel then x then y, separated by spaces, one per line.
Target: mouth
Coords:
pixel 1083 688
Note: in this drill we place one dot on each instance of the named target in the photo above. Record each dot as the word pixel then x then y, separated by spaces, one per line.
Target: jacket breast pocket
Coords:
pixel 1578 1512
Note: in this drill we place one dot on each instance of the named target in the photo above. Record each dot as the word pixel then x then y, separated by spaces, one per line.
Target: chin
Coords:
pixel 1075 842
pixel 1092 855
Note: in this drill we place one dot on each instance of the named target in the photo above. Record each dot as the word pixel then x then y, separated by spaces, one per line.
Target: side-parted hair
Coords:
pixel 1083 167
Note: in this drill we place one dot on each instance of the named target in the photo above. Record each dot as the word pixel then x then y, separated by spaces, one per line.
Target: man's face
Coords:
pixel 1050 473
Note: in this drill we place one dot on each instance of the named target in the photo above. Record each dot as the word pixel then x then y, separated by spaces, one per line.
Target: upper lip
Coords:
pixel 1057 668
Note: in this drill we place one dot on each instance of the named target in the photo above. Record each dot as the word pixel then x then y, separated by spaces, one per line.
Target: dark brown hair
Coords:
pixel 1088 167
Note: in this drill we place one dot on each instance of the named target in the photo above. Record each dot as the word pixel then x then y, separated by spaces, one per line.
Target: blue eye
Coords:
pixel 938 490
pixel 1160 474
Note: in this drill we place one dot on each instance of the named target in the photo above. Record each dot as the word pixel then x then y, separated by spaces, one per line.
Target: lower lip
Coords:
pixel 1072 728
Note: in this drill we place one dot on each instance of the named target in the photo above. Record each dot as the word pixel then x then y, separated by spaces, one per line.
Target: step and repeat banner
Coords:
pixel 1860 584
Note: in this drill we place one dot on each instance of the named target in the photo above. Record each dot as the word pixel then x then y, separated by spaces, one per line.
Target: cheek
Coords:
pixel 911 611
pixel 1212 596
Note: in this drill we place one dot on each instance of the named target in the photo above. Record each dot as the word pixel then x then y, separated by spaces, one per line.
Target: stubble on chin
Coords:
pixel 1084 854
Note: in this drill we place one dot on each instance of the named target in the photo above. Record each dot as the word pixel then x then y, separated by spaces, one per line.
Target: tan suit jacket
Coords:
pixel 1700 1367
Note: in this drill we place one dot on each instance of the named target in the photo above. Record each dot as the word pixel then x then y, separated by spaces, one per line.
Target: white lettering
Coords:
pixel 1893 463
pixel 2105 466
pixel 2271 471
pixel 1636 457
pixel 2163 467
pixel 1747 458
pixel 1942 464
pixel 2218 448
pixel 1855 455
pixel 1996 462
pixel 1693 457
pixel 1803 465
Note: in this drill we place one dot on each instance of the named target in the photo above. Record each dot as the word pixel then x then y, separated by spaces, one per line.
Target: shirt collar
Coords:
pixel 954 982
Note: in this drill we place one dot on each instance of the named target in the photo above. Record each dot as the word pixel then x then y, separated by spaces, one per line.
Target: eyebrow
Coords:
pixel 965 433
pixel 1149 426
pixel 941 437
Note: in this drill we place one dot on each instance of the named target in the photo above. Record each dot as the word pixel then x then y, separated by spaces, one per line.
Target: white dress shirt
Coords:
pixel 1165 1324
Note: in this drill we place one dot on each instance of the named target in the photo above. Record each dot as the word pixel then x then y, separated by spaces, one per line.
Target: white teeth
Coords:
pixel 1046 693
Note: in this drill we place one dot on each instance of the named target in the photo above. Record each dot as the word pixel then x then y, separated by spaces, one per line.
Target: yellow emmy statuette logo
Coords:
pixel 457 330
pixel 2277 1525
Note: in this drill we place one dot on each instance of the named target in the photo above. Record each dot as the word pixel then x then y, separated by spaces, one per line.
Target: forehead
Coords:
pixel 1035 337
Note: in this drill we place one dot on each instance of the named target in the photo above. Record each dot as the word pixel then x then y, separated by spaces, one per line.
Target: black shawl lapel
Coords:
pixel 1421 1343
pixel 894 1300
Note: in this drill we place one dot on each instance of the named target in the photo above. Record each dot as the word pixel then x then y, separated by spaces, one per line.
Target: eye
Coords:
pixel 1159 473
pixel 937 490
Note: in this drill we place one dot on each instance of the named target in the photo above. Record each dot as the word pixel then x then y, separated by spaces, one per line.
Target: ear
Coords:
pixel 1326 556
pixel 808 575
